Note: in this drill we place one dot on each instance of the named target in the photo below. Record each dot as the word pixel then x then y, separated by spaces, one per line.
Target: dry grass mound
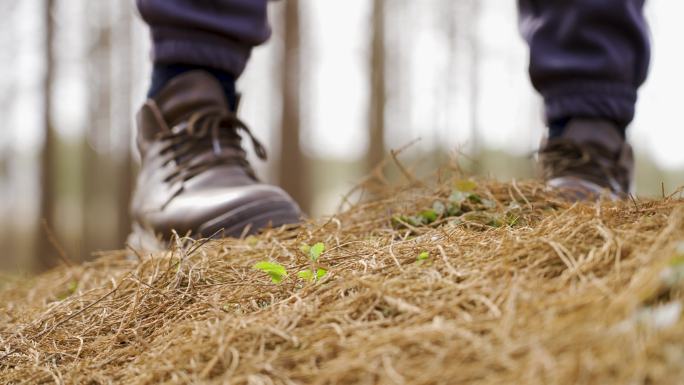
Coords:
pixel 456 283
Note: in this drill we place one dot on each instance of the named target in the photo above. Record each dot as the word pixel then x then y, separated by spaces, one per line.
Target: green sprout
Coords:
pixel 72 286
pixel 316 250
pixel 276 271
pixel 429 216
pixel 422 258
pixel 308 276
pixel 462 205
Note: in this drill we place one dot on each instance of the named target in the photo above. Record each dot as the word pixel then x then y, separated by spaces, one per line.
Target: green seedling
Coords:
pixel 474 198
pixel 458 198
pixel 429 216
pixel 314 253
pixel 422 258
pixel 308 276
pixel 454 210
pixel 276 271
pixel 72 286
pixel 424 218
pixel 316 250
pixel 463 203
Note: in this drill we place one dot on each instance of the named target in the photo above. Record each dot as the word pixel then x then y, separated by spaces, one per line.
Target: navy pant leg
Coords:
pixel 587 57
pixel 212 33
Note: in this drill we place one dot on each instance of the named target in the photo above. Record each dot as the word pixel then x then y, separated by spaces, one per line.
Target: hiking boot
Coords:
pixel 195 178
pixel 589 160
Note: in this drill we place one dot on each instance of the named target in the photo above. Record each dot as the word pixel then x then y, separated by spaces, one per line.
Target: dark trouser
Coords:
pixel 209 33
pixel 587 57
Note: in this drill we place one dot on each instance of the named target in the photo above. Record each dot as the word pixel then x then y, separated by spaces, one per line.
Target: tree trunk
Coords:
pixel 99 230
pixel 125 161
pixel 46 253
pixel 475 82
pixel 378 97
pixel 293 170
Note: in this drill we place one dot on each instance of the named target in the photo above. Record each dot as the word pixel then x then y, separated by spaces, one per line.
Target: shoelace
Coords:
pixel 567 158
pixel 211 128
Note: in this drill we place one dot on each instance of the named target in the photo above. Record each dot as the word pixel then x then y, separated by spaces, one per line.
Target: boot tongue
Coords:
pixel 188 93
pixel 183 95
pixel 601 132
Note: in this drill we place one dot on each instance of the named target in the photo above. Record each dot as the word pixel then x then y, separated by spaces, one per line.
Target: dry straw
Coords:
pixel 527 290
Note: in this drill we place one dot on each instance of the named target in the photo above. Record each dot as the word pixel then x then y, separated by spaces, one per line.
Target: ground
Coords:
pixel 454 281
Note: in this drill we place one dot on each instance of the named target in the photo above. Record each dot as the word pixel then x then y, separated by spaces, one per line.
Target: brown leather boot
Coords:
pixel 591 159
pixel 195 178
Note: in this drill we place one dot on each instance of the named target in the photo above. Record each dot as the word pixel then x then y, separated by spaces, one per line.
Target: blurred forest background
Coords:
pixel 340 83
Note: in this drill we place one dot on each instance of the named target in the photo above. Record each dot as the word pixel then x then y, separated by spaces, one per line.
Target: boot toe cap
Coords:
pixel 226 212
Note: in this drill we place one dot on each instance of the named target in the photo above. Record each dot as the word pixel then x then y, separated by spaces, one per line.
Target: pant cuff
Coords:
pixel 199 48
pixel 611 101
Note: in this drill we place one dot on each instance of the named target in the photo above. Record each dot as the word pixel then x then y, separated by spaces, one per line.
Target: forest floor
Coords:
pixel 448 281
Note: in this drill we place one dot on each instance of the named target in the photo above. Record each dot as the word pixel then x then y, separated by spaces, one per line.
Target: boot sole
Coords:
pixel 145 240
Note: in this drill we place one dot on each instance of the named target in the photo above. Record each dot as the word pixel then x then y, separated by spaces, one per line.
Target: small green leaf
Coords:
pixel 73 286
pixel 465 185
pixel 304 248
pixel 474 198
pixel 422 258
pixel 307 275
pixel 454 210
pixel 429 216
pixel 274 270
pixel 316 251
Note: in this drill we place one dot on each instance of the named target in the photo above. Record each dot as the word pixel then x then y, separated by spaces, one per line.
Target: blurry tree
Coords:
pixel 293 169
pixel 97 141
pixel 474 87
pixel 378 92
pixel 123 115
pixel 47 175
pixel 8 90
